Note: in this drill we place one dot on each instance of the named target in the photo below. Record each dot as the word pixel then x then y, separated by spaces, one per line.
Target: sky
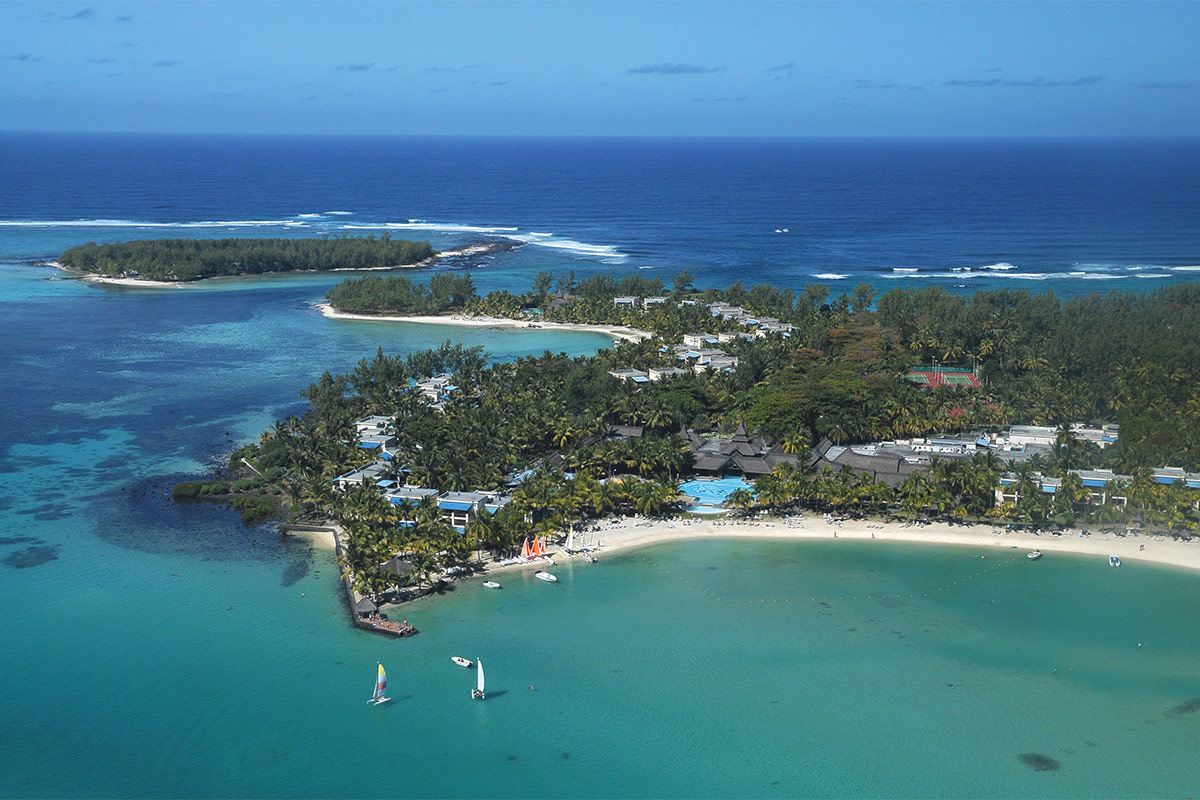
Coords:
pixel 618 69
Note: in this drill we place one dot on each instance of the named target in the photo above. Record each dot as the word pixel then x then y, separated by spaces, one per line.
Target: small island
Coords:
pixel 182 260
pixel 994 412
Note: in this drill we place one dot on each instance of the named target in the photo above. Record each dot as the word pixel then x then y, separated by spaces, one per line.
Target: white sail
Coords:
pixel 571 542
pixel 479 675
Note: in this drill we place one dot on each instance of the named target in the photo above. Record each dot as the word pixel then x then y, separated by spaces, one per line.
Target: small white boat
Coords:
pixel 462 662
pixel 380 687
pixel 541 574
pixel 1034 556
pixel 491 584
pixel 1114 561
pixel 477 692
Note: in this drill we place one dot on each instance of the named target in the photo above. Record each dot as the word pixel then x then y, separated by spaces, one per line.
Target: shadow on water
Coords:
pixel 1037 761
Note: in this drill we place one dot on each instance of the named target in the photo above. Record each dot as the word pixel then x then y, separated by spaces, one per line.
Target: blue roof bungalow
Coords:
pixel 1169 475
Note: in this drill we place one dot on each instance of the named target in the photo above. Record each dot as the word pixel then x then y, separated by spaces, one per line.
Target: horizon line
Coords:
pixel 610 136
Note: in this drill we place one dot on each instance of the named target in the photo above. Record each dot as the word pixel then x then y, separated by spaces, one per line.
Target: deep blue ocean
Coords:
pixel 1068 215
pixel 151 649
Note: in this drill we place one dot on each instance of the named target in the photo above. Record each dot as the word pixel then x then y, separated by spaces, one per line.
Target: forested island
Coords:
pixel 554 439
pixel 195 259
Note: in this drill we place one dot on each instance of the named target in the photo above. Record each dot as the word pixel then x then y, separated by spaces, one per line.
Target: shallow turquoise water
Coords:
pixel 166 651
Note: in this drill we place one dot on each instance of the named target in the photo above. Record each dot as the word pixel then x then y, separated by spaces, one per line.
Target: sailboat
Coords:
pixel 380 688
pixel 525 550
pixel 477 692
pixel 571 542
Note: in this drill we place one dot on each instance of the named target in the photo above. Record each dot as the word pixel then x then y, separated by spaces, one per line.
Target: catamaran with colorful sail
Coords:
pixel 380 688
pixel 477 692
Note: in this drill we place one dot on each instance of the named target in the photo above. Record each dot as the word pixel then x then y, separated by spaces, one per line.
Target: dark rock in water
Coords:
pixel 1039 762
pixel 566 756
pixel 16 539
pixel 32 556
pixel 1186 707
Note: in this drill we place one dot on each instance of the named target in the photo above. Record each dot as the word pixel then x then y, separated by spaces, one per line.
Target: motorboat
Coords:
pixel 541 574
pixel 462 662
pixel 491 584
pixel 1114 561
pixel 1034 556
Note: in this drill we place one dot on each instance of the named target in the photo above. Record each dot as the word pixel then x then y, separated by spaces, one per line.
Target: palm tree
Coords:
pixel 741 499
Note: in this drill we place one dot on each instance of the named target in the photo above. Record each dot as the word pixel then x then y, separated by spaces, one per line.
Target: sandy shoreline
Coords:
pixel 632 533
pixel 618 535
pixel 628 334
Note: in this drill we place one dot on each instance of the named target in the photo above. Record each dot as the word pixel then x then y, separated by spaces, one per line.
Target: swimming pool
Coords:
pixel 710 495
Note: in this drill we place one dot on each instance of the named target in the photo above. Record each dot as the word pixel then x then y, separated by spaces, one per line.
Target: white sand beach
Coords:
pixel 616 535
pixel 628 334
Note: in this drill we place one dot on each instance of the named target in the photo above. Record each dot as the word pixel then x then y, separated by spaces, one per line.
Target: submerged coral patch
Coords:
pixel 1038 761
pixel 1186 707
pixel 32 556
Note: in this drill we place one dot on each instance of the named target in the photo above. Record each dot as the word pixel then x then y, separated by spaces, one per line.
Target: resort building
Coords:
pixel 634 375
pixel 658 373
pixel 884 465
pixel 697 341
pixel 765 329
pixel 653 301
pixel 721 363
pixel 741 454
pixel 408 495
pixel 459 508
pixel 1104 485
pixel 1032 434
pixel 1103 437
pixel 435 390
pixel 733 336
pixel 375 433
pixel 625 301
pixel 370 474
pixel 373 425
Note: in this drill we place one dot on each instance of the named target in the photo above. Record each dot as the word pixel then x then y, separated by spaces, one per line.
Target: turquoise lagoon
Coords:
pixel 158 650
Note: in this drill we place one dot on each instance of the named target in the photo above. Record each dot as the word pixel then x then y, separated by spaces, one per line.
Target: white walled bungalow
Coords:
pixel 699 340
pixel 634 375
pixel 375 425
pixel 460 507
pixel 370 474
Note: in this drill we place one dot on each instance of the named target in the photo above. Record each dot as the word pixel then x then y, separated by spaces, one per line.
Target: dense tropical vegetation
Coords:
pixel 193 259
pixel 1132 359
